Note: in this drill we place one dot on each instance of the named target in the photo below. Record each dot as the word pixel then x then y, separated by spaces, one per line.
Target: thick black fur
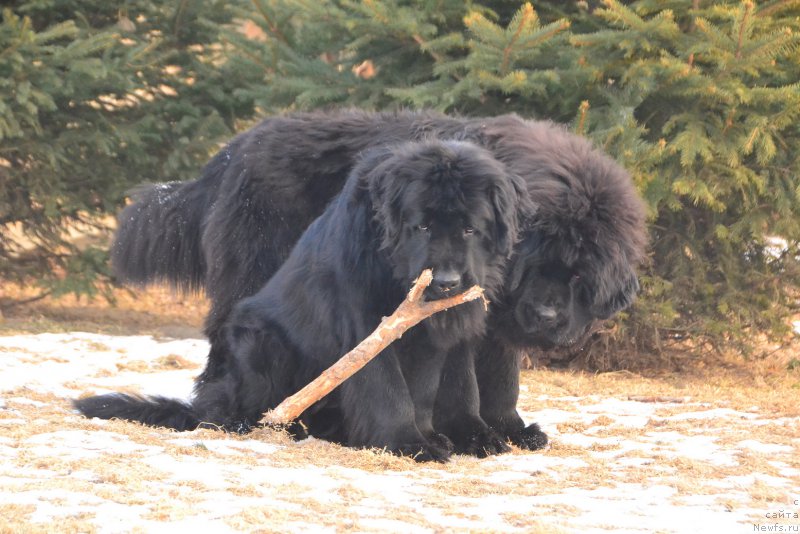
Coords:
pixel 575 263
pixel 449 206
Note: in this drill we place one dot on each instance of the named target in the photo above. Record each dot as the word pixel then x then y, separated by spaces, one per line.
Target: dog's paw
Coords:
pixel 441 441
pixel 424 452
pixel 482 442
pixel 530 438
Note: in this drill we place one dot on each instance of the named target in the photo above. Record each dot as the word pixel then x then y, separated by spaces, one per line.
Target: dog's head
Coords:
pixel 448 206
pixel 577 258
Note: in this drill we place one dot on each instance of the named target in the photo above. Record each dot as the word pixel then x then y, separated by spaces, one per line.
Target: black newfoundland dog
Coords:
pixel 449 206
pixel 231 229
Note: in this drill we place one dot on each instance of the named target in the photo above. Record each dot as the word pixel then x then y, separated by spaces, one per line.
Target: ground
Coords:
pixel 690 447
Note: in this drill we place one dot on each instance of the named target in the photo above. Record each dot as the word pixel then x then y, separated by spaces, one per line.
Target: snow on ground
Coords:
pixel 614 465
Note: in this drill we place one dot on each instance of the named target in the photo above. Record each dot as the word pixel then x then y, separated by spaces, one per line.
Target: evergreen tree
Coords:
pixel 702 103
pixel 96 97
pixel 699 100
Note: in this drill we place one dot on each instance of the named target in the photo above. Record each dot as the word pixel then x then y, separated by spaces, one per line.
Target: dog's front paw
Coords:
pixel 440 441
pixel 530 438
pixel 424 452
pixel 482 442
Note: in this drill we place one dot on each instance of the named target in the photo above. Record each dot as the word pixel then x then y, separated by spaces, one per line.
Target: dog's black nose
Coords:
pixel 445 280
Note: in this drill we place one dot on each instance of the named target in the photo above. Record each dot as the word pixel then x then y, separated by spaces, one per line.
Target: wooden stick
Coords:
pixel 656 398
pixel 410 312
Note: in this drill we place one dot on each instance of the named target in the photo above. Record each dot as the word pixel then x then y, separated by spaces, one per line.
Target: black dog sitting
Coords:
pixel 448 206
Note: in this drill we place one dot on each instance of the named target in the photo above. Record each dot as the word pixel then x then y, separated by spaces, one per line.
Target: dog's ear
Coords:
pixel 620 300
pixel 522 260
pixel 245 321
pixel 384 192
pixel 511 205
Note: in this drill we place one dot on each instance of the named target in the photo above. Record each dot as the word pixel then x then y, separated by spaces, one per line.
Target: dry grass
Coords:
pixel 154 310
pixel 594 448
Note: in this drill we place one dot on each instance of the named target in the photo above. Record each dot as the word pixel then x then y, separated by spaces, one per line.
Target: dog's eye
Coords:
pixel 574 280
pixel 423 227
pixel 468 230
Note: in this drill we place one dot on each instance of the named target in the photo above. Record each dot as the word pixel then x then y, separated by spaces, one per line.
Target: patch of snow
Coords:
pixel 13 422
pixel 766 448
pixel 747 481
pixel 23 400
pixel 565 398
pixel 640 508
pixel 715 413
pixel 585 441
pixel 500 477
pixel 223 478
pixel 623 450
pixel 228 447
pixel 79 444
pixel 390 525
pixel 701 448
pixel 613 406
pixel 785 469
pixel 51 362
pixel 55 504
pixel 633 461
pixel 549 418
pixel 536 465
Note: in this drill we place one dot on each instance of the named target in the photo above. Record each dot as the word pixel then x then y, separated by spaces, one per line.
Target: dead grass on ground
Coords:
pixel 677 371
pixel 155 310
pixel 762 387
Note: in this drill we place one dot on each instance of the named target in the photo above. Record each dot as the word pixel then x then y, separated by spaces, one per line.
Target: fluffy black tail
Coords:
pixel 158 237
pixel 153 411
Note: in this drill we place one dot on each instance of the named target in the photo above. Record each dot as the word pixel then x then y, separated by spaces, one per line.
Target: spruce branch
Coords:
pixel 273 28
pixel 583 109
pixel 766 11
pixel 525 16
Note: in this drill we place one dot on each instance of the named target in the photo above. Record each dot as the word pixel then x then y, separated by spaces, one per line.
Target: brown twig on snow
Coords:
pixel 410 312
pixel 656 398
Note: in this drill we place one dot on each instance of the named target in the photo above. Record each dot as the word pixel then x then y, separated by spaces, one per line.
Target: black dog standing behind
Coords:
pixel 575 263
pixel 448 206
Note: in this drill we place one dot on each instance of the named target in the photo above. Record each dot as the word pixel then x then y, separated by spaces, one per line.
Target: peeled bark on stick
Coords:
pixel 410 312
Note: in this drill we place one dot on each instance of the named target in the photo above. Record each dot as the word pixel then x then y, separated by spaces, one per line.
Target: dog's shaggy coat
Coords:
pixel 229 231
pixel 448 206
